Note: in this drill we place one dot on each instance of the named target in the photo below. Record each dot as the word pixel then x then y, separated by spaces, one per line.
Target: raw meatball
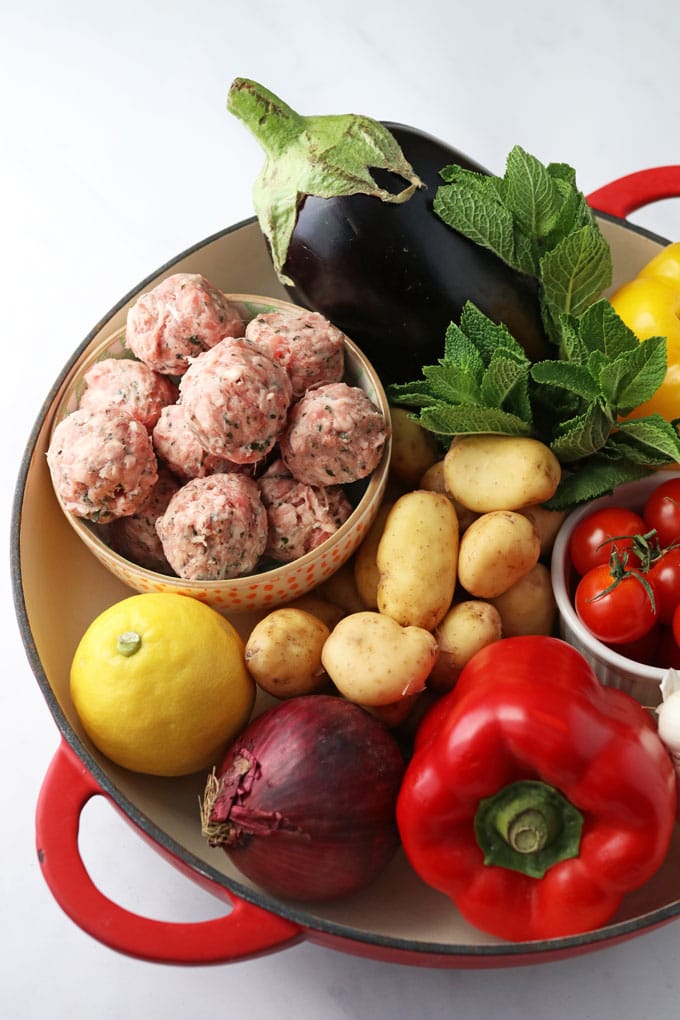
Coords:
pixel 102 463
pixel 214 528
pixel 335 435
pixel 236 400
pixel 306 344
pixel 176 444
pixel 300 517
pixel 130 385
pixel 135 536
pixel 182 316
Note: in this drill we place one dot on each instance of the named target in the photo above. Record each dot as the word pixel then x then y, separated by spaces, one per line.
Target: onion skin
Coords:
pixel 304 801
pixel 392 277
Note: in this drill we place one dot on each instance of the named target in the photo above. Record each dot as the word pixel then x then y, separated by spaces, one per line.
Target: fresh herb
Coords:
pixel 536 220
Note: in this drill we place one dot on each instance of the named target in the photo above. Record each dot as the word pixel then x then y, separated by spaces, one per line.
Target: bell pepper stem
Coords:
pixel 528 826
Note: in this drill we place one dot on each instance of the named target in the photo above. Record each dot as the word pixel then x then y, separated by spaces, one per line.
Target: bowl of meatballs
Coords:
pixel 231 447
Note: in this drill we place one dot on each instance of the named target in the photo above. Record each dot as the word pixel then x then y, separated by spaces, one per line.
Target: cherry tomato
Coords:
pixel 645 649
pixel 668 650
pixel 662 511
pixel 591 540
pixel 624 614
pixel 665 577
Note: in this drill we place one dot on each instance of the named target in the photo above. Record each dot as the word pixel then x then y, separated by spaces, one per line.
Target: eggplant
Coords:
pixel 389 274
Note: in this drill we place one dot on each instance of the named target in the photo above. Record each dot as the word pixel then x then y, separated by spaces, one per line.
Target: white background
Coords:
pixel 116 153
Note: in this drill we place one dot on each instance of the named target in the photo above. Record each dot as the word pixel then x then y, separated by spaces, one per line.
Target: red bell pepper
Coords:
pixel 536 797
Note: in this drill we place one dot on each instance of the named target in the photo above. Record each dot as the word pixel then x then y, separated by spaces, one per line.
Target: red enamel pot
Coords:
pixel 397 919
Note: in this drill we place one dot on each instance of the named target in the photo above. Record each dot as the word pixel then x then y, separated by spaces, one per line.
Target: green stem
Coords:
pixel 274 124
pixel 128 642
pixel 528 827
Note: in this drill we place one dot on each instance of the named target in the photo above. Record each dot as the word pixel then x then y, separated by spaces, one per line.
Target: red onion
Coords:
pixel 304 801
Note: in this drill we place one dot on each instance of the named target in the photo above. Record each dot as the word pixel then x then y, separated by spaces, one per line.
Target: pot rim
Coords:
pixel 300 916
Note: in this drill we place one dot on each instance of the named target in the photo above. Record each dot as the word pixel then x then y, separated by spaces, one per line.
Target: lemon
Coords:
pixel 160 685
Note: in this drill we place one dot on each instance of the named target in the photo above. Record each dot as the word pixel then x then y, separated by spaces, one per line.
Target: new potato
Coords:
pixel 495 551
pixel 373 660
pixel 417 558
pixel 528 606
pixel 467 627
pixel 414 449
pixel 283 653
pixel 492 472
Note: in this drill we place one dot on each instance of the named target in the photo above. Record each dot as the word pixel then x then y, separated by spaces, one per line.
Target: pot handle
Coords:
pixel 247 931
pixel 626 194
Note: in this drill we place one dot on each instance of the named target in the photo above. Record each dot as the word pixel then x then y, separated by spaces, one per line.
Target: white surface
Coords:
pixel 117 153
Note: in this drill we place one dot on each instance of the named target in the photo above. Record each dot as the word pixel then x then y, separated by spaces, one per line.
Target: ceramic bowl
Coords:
pixel 641 681
pixel 271 586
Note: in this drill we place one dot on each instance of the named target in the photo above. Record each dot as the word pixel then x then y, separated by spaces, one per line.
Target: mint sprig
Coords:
pixel 537 221
pixel 485 383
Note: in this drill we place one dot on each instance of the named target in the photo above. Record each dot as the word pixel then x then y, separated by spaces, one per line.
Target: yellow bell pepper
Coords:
pixel 649 304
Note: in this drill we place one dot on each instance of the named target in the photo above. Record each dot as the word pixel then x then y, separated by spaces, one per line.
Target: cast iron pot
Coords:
pixel 398 919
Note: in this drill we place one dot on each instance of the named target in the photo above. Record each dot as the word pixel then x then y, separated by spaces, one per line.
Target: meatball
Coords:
pixel 214 528
pixel 236 401
pixel 335 435
pixel 135 536
pixel 130 385
pixel 300 517
pixel 306 344
pixel 102 463
pixel 176 445
pixel 182 316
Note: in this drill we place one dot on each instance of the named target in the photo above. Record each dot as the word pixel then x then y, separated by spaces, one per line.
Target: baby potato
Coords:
pixel 417 557
pixel 435 480
pixel 495 551
pixel 528 606
pixel 365 564
pixel 491 472
pixel 341 589
pixel 414 449
pixel 467 627
pixel 324 610
pixel 373 660
pixel 547 523
pixel 283 653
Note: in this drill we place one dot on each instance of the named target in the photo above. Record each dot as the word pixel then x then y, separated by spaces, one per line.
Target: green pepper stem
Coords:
pixel 273 123
pixel 528 826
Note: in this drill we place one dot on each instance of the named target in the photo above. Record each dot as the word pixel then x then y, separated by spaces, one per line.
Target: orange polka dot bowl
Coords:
pixel 271 583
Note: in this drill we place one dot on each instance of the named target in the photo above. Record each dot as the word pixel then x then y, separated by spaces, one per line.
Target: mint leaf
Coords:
pixel 454 421
pixel 575 378
pixel 634 376
pixel 489 337
pixel 595 477
pixel 533 197
pixel 602 329
pixel 583 435
pixel 471 204
pixel 459 387
pixel 505 384
pixel 650 440
pixel 575 272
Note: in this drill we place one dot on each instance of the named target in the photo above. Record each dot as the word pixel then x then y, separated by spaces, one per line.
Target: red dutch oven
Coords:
pixel 398 919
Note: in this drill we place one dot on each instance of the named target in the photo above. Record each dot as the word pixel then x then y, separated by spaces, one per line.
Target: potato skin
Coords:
pixel 374 661
pixel 417 559
pixel 283 653
pixel 467 627
pixel 366 572
pixel 491 472
pixel 414 449
pixel 495 551
pixel 528 606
